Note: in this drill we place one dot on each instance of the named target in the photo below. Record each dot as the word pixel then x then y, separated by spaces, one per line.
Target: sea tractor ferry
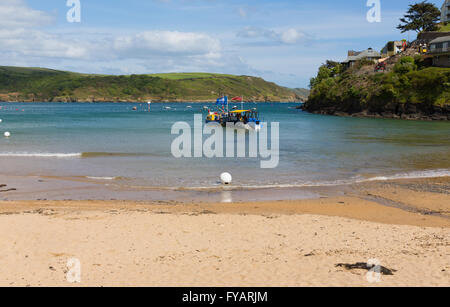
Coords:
pixel 243 119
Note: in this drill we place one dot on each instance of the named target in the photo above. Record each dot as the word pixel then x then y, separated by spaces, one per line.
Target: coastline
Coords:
pixel 403 223
pixel 139 101
pixel 404 112
pixel 83 188
pixel 419 202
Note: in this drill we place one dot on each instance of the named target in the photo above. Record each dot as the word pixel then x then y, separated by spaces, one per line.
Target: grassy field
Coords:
pixel 188 75
pixel 41 84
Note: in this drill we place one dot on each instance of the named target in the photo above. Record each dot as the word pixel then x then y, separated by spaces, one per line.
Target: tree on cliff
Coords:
pixel 330 69
pixel 420 17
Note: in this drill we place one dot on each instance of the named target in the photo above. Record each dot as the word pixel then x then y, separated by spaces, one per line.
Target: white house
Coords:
pixel 445 11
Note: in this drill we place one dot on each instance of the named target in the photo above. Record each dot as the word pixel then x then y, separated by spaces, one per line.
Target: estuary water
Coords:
pixel 110 144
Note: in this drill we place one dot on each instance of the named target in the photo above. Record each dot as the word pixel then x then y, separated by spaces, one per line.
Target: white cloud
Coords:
pixel 16 14
pixel 288 36
pixel 291 36
pixel 167 43
pixel 34 43
pixel 151 49
pixel 22 42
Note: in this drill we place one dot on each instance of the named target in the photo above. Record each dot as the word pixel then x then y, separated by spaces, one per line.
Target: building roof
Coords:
pixel 369 53
pixel 440 40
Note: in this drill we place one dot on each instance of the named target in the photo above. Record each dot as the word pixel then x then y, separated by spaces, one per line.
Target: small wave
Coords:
pixel 413 175
pixel 41 155
pixel 265 186
pixel 69 155
pixel 101 178
pixel 111 154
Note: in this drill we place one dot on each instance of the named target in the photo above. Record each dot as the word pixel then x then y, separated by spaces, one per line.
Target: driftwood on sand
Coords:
pixel 366 266
pixel 7 190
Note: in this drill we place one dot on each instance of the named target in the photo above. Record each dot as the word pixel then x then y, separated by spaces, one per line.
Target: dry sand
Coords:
pixel 403 224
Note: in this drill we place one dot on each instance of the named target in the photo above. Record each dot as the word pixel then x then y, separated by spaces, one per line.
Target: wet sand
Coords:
pixel 404 224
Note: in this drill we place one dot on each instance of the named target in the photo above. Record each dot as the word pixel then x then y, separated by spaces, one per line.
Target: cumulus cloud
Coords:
pixel 158 46
pixel 16 14
pixel 28 42
pixel 24 42
pixel 167 43
pixel 289 36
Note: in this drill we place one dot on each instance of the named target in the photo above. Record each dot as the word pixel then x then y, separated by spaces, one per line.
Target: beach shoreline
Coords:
pixel 405 224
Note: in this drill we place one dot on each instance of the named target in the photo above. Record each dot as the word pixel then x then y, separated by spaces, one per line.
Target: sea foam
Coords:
pixel 41 155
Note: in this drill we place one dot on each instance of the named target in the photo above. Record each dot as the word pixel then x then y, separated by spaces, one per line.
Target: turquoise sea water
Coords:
pixel 109 141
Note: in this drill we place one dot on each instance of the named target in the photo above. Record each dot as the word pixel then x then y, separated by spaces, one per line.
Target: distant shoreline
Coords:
pixel 153 101
pixel 25 84
pixel 437 114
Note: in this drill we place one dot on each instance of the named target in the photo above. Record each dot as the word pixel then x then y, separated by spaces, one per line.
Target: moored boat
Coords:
pixel 242 119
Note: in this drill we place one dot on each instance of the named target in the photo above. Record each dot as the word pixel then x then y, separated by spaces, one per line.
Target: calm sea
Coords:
pixel 112 144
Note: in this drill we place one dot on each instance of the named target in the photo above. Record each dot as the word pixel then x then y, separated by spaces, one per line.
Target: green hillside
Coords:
pixel 40 84
pixel 303 93
pixel 188 75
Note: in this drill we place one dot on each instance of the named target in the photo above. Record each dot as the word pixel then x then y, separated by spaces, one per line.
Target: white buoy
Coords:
pixel 226 178
pixel 7 134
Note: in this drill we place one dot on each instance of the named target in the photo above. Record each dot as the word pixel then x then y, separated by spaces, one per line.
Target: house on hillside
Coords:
pixel 440 51
pixel 393 48
pixel 445 11
pixel 354 56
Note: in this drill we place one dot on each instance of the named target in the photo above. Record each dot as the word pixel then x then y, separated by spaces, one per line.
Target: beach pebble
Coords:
pixel 226 178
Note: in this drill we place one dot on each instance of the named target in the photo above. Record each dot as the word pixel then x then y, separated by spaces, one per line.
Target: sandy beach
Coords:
pixel 405 225
pixel 293 144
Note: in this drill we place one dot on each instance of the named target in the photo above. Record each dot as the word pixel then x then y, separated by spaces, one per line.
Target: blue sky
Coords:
pixel 282 41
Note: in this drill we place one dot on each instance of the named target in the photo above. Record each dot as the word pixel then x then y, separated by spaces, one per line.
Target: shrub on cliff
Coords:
pixel 364 62
pixel 405 65
pixel 330 69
